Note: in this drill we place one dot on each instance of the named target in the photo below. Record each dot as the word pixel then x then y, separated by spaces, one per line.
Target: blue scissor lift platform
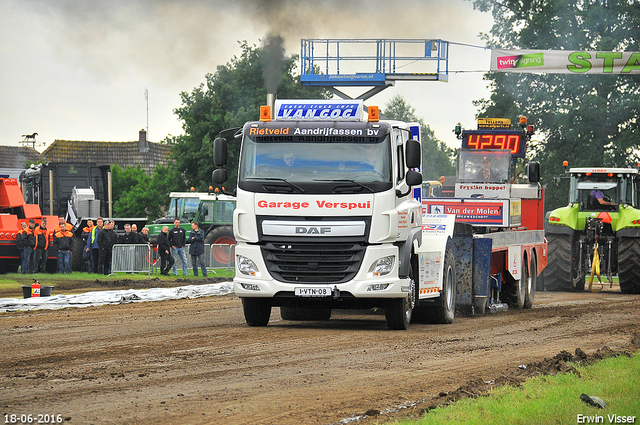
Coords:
pixel 376 63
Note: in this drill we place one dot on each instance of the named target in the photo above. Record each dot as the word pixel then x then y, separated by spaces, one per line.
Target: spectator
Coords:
pixel 164 249
pixel 178 238
pixel 129 236
pixel 106 239
pixel 62 224
pixel 92 246
pixel 63 243
pixel 144 235
pixel 196 249
pixel 30 244
pixel 86 250
pixel 86 231
pixel 138 236
pixel 21 243
pixel 40 249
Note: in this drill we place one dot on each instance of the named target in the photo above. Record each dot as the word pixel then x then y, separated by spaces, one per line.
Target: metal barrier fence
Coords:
pixel 132 258
pixel 143 258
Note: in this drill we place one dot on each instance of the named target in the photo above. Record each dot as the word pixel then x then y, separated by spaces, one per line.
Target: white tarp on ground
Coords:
pixel 95 298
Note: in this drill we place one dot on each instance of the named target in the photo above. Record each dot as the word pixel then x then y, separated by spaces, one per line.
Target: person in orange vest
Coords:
pixel 21 240
pixel 62 224
pixel 63 243
pixel 30 244
pixel 86 251
pixel 42 244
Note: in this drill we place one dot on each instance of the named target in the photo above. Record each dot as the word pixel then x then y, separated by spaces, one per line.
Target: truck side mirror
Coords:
pixel 413 178
pixel 219 175
pixel 533 172
pixel 220 152
pixel 413 154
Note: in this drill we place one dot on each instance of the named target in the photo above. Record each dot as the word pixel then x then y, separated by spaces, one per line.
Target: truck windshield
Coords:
pixel 298 160
pixel 483 166
pixel 597 192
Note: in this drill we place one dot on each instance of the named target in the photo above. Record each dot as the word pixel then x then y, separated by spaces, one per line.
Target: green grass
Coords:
pixel 552 399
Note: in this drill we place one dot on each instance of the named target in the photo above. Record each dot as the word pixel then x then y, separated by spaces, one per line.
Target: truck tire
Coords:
pixel 76 255
pixel 530 282
pixel 557 274
pixel 305 313
pixel 516 291
pixel 398 311
pixel 629 265
pixel 257 311
pixel 221 236
pixel 444 313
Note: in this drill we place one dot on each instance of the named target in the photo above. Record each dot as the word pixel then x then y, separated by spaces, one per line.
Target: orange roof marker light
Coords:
pixel 523 121
pixel 374 114
pixel 265 113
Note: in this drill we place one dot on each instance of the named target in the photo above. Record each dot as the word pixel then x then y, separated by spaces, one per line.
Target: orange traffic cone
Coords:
pixel 35 288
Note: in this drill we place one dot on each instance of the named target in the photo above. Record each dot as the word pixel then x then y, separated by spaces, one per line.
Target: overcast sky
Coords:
pixel 78 69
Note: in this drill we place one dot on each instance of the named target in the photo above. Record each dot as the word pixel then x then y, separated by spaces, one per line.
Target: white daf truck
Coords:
pixel 328 215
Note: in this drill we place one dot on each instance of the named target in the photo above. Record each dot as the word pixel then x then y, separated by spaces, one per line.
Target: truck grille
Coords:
pixel 313 262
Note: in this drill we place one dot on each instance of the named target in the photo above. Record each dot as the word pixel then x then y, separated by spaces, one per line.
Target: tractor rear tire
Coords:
pixel 221 236
pixel 629 265
pixel 557 274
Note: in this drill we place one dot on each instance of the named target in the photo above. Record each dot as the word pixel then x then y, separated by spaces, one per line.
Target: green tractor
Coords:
pixel 600 226
pixel 213 212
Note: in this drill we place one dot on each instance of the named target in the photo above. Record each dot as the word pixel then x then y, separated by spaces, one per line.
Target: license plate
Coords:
pixel 312 292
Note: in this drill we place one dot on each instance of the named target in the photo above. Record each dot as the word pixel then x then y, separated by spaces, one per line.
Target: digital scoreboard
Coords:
pixel 512 140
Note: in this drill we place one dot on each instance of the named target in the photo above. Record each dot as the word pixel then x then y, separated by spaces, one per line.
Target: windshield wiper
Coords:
pixel 345 181
pixel 279 179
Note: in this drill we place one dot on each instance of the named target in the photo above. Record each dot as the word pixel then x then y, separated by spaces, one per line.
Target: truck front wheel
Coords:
pixel 445 311
pixel 398 311
pixel 257 311
pixel 629 265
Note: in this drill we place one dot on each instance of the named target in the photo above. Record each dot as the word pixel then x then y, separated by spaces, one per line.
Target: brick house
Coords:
pixel 14 159
pixel 147 154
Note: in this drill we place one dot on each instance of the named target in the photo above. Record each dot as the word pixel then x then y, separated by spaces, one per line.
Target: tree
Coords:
pixel 589 120
pixel 137 194
pixel 231 97
pixel 436 155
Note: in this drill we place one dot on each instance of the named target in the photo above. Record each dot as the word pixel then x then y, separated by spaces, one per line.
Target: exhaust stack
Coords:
pixel 271 102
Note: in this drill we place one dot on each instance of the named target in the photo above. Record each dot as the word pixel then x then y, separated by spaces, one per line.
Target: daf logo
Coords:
pixel 312 230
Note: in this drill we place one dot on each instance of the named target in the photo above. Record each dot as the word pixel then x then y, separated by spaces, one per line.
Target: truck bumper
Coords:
pixel 363 286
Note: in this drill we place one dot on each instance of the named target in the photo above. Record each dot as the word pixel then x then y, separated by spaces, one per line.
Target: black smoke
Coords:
pixel 272 57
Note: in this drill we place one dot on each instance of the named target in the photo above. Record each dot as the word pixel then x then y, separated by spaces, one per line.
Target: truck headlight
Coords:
pixel 246 266
pixel 382 266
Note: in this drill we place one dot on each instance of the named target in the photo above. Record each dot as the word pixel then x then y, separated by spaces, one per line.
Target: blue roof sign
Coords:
pixel 319 110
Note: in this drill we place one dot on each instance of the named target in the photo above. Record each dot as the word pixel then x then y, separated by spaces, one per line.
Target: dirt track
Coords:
pixel 195 361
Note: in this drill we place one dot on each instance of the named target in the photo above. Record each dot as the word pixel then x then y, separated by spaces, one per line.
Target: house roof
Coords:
pixel 147 154
pixel 18 157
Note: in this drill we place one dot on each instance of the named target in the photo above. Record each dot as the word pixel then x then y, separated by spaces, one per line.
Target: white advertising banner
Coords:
pixel 565 62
